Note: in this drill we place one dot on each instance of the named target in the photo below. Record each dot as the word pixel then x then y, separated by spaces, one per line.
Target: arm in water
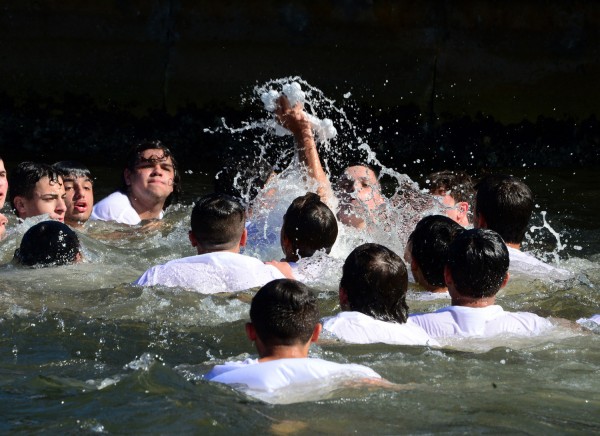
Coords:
pixel 295 120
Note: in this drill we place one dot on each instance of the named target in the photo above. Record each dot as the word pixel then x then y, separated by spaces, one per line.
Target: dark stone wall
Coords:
pixel 91 77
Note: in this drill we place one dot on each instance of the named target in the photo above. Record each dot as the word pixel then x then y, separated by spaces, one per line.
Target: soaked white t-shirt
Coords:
pixel 211 273
pixel 525 263
pixel 358 328
pixel 116 207
pixel 280 373
pixel 460 321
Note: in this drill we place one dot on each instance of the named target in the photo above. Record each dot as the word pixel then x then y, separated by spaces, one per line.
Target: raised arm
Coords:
pixel 296 121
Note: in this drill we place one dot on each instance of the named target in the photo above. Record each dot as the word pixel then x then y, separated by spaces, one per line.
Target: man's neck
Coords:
pixel 146 210
pixel 465 301
pixel 514 245
pixel 284 352
pixel 200 250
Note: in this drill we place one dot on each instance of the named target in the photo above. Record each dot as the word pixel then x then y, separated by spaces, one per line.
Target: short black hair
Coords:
pixel 457 184
pixel 376 281
pixel 478 261
pixel 71 168
pixel 284 312
pixel 309 225
pixel 48 243
pixel 133 159
pixel 23 178
pixel 506 204
pixel 218 221
pixel 429 246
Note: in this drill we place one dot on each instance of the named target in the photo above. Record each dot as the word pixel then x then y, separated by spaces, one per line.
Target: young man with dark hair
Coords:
pixel 49 243
pixel 79 188
pixel 217 232
pixel 308 226
pixel 477 268
pixel 37 189
pixel 373 300
pixel 150 183
pixel 3 191
pixel 504 204
pixel 427 250
pixel 456 193
pixel 284 322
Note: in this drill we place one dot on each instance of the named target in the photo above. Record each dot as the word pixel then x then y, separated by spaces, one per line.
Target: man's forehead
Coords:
pixel 359 171
pixel 47 184
pixel 153 155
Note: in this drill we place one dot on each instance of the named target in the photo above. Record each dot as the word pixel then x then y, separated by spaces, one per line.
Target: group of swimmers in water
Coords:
pixel 464 255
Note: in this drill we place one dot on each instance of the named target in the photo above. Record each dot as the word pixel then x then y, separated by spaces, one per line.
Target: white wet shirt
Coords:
pixel 211 273
pixel 525 263
pixel 116 207
pixel 277 374
pixel 358 328
pixel 460 321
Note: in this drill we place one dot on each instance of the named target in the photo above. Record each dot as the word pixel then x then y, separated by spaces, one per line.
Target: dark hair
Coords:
pixel 506 204
pixel 23 178
pixel 429 246
pixel 70 168
pixel 309 225
pixel 134 157
pixel 478 261
pixel 48 243
pixel 284 312
pixel 375 281
pixel 457 184
pixel 218 221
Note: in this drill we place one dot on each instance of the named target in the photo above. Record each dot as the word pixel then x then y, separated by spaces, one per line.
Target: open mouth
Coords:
pixel 80 207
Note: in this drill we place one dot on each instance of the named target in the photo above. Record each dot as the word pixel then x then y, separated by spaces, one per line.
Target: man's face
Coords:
pixel 79 199
pixel 152 177
pixel 361 183
pixel 48 197
pixel 453 210
pixel 3 184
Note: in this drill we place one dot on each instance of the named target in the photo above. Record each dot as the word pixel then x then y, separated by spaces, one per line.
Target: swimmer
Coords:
pixel 150 182
pixel 79 188
pixel 504 204
pixel 372 296
pixel 477 268
pixel 427 251
pixel 3 191
pixel 308 226
pixel 37 189
pixel 361 195
pixel 284 322
pixel 218 232
pixel 49 243
pixel 455 191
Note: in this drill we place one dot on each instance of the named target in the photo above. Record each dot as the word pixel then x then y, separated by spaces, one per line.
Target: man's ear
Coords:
pixel 20 205
pixel 316 332
pixel 462 208
pixel 448 276
pixel 244 238
pixel 250 331
pixel 505 280
pixel 344 299
pixel 127 176
pixel 479 221
pixel 193 239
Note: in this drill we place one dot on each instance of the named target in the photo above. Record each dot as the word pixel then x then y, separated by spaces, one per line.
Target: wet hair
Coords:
pixel 506 204
pixel 23 178
pixel 284 312
pixel 478 261
pixel 48 243
pixel 218 221
pixel 134 158
pixel 70 168
pixel 457 184
pixel 241 180
pixel 429 246
pixel 376 281
pixel 309 225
